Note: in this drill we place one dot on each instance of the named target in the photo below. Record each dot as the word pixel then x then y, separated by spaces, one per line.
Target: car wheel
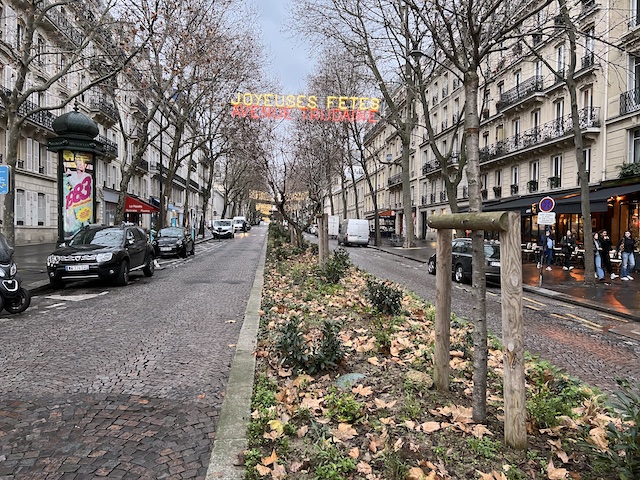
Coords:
pixel 431 266
pixel 56 284
pixel 19 303
pixel 123 275
pixel 150 267
pixel 459 274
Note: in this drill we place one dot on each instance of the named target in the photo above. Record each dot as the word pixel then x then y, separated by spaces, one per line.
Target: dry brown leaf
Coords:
pixel 262 470
pixel 302 431
pixel 270 459
pixel 480 431
pixel 410 424
pixel 398 445
pixel 416 473
pixel 428 427
pixel 302 379
pixel 364 467
pixel 382 404
pixel 554 473
pixel 284 372
pixel 598 436
pixel 363 391
pixel 388 421
pixel 354 452
pixel 294 467
pixel 279 472
pixel 344 432
pixel 374 361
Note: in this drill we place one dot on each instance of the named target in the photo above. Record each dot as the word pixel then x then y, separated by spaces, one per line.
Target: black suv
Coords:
pixel 101 252
pixel 461 260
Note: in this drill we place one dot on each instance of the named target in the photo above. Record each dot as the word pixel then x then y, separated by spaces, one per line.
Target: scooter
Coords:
pixel 13 297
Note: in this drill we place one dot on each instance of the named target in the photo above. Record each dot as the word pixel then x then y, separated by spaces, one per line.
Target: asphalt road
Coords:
pixel 576 339
pixel 99 381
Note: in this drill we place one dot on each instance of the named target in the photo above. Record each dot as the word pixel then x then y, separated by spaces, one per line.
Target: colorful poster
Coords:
pixel 77 191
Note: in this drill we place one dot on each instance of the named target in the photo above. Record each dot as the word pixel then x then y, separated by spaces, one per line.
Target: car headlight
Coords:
pixel 2 274
pixel 104 257
pixel 13 269
pixel 53 260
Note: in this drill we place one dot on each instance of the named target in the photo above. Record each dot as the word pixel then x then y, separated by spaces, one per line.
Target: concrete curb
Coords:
pixel 235 413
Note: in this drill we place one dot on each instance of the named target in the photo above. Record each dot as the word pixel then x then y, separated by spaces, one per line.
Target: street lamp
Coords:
pixel 162 214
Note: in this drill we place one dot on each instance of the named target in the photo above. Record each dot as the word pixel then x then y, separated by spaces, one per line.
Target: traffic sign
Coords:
pixel 546 218
pixel 4 179
pixel 547 204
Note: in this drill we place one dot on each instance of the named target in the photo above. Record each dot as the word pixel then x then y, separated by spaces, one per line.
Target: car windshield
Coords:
pixel 172 232
pixel 492 251
pixel 107 237
pixel 222 223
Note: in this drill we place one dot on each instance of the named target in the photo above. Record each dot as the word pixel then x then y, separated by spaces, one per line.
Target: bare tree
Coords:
pixel 95 38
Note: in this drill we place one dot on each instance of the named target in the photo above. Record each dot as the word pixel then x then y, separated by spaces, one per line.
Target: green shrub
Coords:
pixel 297 353
pixel 336 266
pixel 332 464
pixel 343 406
pixel 384 297
pixel 623 454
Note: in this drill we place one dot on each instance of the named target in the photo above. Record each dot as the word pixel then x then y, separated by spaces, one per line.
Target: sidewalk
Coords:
pixel 618 297
pixel 32 262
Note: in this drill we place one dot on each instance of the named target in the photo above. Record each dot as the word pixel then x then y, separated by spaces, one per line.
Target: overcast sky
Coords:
pixel 290 61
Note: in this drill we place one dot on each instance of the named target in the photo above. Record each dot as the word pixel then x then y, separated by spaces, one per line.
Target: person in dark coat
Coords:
pixel 607 245
pixel 568 244
pixel 626 247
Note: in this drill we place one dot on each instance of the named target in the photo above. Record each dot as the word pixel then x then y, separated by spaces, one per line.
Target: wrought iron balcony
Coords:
pixel 514 189
pixel 102 105
pixel 555 182
pixel 432 198
pixel 520 92
pixel 43 118
pixel 559 128
pixel 143 165
pixel 532 186
pixel 60 20
pixel 497 192
pixel 110 147
pixel 395 180
pixel 430 167
pixel 484 194
pixel 630 101
pixel 443 196
pixel 423 200
pixel 465 192
pixel 588 60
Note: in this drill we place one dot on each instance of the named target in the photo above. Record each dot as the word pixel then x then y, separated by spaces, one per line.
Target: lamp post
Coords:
pixel 162 214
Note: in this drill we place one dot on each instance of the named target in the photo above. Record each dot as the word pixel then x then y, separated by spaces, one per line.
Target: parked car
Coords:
pixel 239 224
pixel 175 241
pixel 101 252
pixel 354 232
pixel 461 260
pixel 222 229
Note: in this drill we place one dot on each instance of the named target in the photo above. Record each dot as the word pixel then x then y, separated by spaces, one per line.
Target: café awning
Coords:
pixel 135 205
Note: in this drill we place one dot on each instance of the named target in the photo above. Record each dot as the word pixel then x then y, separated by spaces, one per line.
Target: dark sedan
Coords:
pixel 101 252
pixel 461 261
pixel 175 241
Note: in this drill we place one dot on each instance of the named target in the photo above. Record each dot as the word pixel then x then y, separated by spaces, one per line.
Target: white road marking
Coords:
pixel 76 298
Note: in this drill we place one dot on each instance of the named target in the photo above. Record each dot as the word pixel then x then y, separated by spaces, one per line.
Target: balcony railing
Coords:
pixel 561 127
pixel 423 200
pixel 110 147
pixel 430 167
pixel 61 21
pixel 443 196
pixel 44 118
pixel 497 192
pixel 520 91
pixel 588 60
pixel 630 101
pixel 532 186
pixel 107 108
pixel 465 192
pixel 432 198
pixel 514 189
pixel 484 194
pixel 395 180
pixel 555 182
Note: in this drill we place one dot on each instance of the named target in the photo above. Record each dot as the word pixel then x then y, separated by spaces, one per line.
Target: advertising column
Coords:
pixel 78 191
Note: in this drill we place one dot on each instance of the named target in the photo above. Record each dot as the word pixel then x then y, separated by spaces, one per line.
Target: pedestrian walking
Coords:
pixel 607 245
pixel 626 247
pixel 546 242
pixel 597 253
pixel 568 244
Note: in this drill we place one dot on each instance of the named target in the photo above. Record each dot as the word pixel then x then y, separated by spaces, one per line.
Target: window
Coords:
pixel 534 170
pixel 484 181
pixel 560 60
pixel 515 175
pixel 586 154
pixel 636 146
pixel 515 126
pixel 20 214
pixel 41 209
pixel 498 178
pixel 555 180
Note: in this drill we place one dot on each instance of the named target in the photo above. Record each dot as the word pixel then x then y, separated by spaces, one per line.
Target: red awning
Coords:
pixel 135 205
pixel 386 213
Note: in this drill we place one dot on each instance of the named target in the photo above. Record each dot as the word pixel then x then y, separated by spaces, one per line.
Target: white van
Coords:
pixel 240 224
pixel 353 232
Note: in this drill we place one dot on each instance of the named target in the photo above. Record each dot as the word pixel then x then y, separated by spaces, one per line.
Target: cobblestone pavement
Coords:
pixel 102 382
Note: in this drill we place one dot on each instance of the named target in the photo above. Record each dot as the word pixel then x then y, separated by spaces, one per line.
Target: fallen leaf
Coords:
pixel 398 445
pixel 428 427
pixel 279 472
pixel 364 467
pixel 598 436
pixel 302 431
pixel 382 404
pixel 480 431
pixel 555 473
pixel 344 432
pixel 374 361
pixel 277 426
pixel 363 391
pixel 262 470
pixel 270 459
pixel 416 473
pixel 201 396
pixel 294 467
pixel 354 452
pixel 232 345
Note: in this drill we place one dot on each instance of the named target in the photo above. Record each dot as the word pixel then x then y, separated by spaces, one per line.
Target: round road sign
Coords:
pixel 547 204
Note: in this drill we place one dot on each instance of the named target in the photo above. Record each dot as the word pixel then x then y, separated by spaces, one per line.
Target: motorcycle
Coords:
pixel 13 297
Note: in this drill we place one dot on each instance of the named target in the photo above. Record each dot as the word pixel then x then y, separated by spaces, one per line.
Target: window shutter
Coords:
pixel 29 159
pixel 28 208
pixel 47 210
pixel 11 26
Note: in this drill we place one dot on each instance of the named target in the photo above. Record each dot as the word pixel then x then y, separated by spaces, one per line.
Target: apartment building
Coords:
pixel 36 173
pixel 527 148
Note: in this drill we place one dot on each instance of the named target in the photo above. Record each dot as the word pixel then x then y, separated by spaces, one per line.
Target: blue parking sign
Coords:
pixel 4 179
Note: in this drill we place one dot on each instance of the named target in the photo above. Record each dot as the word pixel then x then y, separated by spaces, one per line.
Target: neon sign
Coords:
pixel 282 107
